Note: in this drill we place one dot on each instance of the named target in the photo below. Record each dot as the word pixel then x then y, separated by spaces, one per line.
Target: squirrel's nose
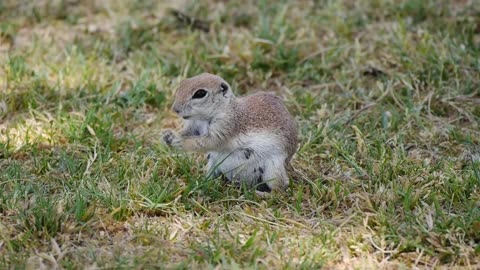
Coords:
pixel 175 109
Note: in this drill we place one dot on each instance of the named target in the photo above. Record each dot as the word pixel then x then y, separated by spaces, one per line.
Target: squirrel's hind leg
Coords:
pixel 273 175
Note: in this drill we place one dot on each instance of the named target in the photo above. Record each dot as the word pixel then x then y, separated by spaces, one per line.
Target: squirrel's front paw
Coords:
pixel 170 138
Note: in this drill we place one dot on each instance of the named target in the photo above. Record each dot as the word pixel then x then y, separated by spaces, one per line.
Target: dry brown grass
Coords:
pixel 385 93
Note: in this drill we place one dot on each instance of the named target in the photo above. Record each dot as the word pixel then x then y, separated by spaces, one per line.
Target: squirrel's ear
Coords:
pixel 224 88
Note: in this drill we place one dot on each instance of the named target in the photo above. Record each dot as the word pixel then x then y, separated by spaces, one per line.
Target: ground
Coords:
pixel 385 92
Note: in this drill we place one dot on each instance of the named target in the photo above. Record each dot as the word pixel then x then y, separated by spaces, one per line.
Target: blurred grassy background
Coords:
pixel 386 94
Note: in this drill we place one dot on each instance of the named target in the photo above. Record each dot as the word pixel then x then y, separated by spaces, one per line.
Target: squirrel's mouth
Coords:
pixel 186 117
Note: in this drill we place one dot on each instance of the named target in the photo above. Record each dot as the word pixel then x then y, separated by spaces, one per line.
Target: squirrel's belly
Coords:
pixel 252 158
pixel 239 166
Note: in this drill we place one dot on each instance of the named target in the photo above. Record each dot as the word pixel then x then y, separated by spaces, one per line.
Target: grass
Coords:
pixel 386 94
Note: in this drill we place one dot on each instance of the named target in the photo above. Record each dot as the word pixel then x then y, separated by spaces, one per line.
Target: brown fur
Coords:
pixel 257 112
pixel 224 118
pixel 266 111
pixel 189 86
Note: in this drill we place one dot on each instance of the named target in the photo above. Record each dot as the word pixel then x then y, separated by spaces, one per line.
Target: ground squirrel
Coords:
pixel 247 139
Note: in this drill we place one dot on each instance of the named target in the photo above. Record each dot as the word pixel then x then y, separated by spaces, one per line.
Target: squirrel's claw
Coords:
pixel 170 138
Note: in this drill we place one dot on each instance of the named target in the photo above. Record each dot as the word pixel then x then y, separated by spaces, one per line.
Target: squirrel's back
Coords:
pixel 266 112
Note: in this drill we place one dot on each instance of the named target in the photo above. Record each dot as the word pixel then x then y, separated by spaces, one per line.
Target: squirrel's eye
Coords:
pixel 200 93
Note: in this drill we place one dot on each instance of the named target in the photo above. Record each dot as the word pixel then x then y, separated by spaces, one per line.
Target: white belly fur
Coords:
pixel 250 157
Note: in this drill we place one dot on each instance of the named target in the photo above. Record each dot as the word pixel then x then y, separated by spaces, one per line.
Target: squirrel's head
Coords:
pixel 202 97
